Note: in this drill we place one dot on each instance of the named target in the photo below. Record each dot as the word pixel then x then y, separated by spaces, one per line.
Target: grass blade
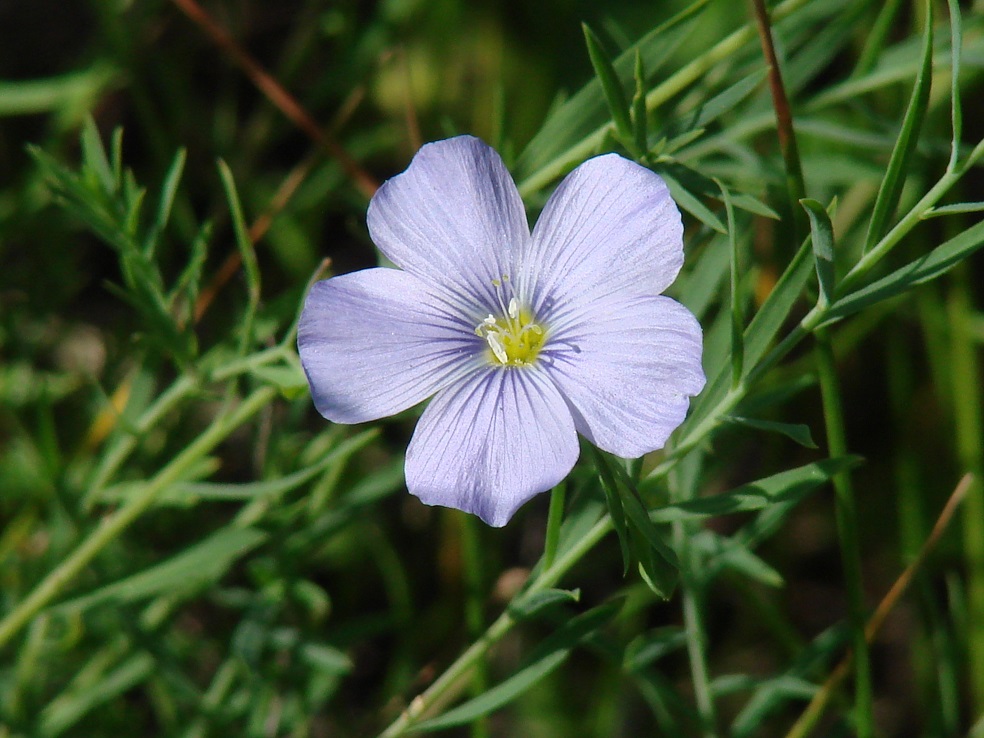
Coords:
pixel 611 85
pixel 905 145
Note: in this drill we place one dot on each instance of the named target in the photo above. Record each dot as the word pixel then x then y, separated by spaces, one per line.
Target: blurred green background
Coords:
pixel 335 615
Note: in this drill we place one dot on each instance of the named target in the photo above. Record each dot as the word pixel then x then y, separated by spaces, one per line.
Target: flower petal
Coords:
pixel 610 226
pixel 628 369
pixel 488 444
pixel 453 218
pixel 378 341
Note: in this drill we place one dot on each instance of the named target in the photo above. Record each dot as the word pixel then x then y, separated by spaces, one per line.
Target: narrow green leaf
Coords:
pixel 742 561
pixel 189 492
pixel 640 121
pixel 761 331
pixel 753 205
pixel 133 198
pixel 527 607
pixel 94 160
pixel 666 147
pixel 822 231
pixel 326 659
pixel 691 204
pixel 116 159
pixel 796 431
pixel 700 288
pixel 68 709
pixel 641 520
pixel 957 208
pixel 496 697
pixel 777 393
pixel 615 510
pixel 168 192
pixel 937 262
pixel 248 254
pixel 577 629
pixel 759 494
pixel 874 44
pixel 190 277
pixel 76 198
pixel 610 84
pixel 660 577
pixel 794 685
pixel 737 309
pixel 243 241
pixel 70 91
pixel 725 101
pixel 649 648
pixel 956 107
pixel 193 567
pixel 720 553
pixel 290 379
pixel 891 185
pixel 545 659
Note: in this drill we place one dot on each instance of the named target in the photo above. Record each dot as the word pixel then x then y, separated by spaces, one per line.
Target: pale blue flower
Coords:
pixel 523 339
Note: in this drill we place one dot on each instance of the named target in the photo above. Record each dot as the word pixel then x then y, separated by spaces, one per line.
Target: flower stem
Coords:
pixel 965 366
pixel 698 659
pixel 847 529
pixel 474 607
pixel 554 518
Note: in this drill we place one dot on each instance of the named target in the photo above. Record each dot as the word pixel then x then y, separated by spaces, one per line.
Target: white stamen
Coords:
pixel 513 308
pixel 495 343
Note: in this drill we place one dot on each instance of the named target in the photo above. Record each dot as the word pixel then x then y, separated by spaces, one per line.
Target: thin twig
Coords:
pixel 820 700
pixel 784 118
pixel 278 96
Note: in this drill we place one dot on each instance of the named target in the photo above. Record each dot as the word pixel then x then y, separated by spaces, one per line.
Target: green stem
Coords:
pixel 118 453
pixel 967 404
pixel 698 659
pixel 114 525
pixel 474 608
pixel 692 595
pixel 554 519
pixel 847 529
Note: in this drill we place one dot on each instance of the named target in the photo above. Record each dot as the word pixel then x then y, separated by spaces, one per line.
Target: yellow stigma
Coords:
pixel 514 339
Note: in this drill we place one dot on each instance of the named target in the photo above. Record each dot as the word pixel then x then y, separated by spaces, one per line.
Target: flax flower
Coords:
pixel 524 340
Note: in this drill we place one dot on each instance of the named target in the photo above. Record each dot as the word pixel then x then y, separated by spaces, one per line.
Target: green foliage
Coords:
pixel 188 550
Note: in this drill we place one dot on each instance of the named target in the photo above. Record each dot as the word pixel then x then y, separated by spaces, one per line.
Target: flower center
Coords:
pixel 514 339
